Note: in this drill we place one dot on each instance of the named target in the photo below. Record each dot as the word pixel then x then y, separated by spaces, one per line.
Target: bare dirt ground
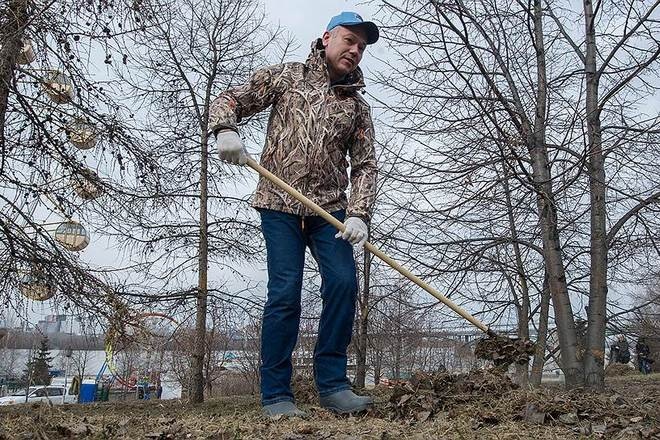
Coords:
pixel 479 405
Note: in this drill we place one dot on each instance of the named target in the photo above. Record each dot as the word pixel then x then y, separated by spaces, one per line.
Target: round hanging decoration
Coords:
pixel 58 87
pixel 87 184
pixel 37 285
pixel 72 235
pixel 82 134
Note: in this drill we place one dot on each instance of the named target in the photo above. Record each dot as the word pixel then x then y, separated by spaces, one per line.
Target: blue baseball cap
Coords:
pixel 353 19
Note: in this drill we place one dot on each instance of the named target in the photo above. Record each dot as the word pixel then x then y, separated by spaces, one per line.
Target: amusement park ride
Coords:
pixel 34 283
pixel 135 356
pixel 135 352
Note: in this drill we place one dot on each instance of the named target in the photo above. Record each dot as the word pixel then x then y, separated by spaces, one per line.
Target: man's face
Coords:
pixel 344 47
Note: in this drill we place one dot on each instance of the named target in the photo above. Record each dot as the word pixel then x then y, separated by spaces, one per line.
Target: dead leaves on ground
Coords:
pixel 489 397
pixel 504 351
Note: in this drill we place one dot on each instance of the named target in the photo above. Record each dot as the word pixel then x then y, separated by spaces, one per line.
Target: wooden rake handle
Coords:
pixel 370 247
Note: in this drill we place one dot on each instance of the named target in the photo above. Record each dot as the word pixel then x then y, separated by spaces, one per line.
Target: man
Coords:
pixel 644 360
pixel 317 119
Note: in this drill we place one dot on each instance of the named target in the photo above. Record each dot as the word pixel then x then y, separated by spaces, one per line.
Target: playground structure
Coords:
pixel 135 354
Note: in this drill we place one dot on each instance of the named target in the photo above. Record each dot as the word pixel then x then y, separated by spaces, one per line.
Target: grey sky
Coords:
pixel 304 20
pixel 307 19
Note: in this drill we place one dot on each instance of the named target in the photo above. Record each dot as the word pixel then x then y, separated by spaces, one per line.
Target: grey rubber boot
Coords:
pixel 346 402
pixel 282 409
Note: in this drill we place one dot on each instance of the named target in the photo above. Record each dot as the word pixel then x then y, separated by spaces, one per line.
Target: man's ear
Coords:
pixel 325 39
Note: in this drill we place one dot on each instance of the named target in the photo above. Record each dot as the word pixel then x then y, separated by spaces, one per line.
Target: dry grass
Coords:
pixel 629 409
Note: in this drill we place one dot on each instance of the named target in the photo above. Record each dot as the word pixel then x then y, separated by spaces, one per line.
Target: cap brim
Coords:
pixel 370 28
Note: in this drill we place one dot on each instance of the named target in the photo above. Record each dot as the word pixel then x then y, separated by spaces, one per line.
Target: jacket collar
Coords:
pixel 317 70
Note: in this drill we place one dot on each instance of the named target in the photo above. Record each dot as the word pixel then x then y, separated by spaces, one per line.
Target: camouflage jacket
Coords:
pixel 312 127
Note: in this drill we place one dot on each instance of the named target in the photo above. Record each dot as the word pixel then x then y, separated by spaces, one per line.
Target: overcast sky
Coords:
pixel 305 21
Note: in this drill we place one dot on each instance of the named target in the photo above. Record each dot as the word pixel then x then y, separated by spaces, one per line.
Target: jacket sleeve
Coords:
pixel 364 168
pixel 262 90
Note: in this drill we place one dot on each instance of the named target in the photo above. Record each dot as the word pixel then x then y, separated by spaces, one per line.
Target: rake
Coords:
pixel 500 349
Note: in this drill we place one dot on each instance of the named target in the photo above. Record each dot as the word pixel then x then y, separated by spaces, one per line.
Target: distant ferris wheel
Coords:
pixel 33 281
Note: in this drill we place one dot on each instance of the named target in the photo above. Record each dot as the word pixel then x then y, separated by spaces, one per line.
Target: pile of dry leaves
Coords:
pixel 619 370
pixel 304 389
pixel 504 351
pixel 427 395
pixel 489 397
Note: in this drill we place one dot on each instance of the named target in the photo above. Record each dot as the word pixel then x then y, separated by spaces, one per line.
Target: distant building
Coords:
pixel 9 323
pixel 54 324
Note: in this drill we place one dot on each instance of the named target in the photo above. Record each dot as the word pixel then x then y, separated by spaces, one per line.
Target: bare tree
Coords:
pixel 80 363
pixel 494 113
pixel 8 354
pixel 189 52
pixel 250 357
pixel 628 57
pixel 64 141
pixel 362 328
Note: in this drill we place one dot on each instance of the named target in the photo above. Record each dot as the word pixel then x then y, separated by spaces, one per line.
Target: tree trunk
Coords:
pixel 361 362
pixel 397 353
pixel 208 355
pixel 548 218
pixel 14 21
pixel 377 360
pixel 542 338
pixel 197 391
pixel 594 356
pixel 522 308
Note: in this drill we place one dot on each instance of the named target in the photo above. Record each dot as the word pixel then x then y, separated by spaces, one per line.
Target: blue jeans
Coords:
pixel 287 236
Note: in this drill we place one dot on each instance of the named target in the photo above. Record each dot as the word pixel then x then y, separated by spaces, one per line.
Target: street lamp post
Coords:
pixel 68 352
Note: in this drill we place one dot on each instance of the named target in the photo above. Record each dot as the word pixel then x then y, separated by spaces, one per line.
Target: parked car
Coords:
pixel 55 394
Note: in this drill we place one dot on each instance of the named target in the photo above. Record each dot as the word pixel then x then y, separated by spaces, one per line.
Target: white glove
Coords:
pixel 356 231
pixel 231 148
